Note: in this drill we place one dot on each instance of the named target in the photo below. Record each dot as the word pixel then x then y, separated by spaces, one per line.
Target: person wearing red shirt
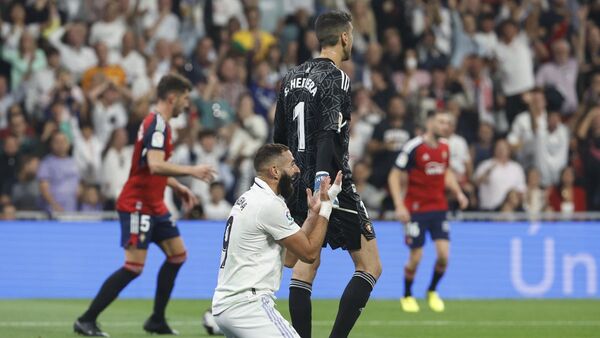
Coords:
pixel 417 185
pixel 143 214
pixel 566 197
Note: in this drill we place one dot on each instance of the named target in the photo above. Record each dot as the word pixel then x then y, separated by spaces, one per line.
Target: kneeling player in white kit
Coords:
pixel 260 238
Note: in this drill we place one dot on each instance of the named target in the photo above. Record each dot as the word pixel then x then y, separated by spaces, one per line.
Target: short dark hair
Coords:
pixel 330 25
pixel 266 154
pixel 172 83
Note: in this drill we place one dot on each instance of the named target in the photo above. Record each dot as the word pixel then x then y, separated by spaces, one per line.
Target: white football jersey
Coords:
pixel 251 258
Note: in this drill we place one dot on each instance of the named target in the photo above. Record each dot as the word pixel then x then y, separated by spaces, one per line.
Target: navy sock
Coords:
pixel 109 291
pixel 301 307
pixel 353 301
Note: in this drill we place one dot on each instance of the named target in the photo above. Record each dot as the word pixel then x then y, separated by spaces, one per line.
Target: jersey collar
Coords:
pixel 322 59
pixel 260 184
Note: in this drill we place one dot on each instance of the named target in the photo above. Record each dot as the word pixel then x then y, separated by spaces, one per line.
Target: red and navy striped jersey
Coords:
pixel 144 192
pixel 426 167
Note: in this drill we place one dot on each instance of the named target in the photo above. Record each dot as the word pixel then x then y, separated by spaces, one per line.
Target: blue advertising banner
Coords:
pixel 488 260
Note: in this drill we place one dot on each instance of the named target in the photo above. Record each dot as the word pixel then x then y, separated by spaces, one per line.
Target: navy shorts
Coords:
pixel 435 222
pixel 140 230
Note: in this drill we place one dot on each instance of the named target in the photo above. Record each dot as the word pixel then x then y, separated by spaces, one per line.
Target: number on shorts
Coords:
pixel 226 237
pixel 144 223
pixel 299 114
pixel 412 229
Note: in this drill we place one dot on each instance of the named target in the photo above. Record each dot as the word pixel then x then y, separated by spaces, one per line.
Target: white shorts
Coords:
pixel 256 318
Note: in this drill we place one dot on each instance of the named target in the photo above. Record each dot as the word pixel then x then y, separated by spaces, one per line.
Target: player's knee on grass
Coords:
pixel 177 259
pixel 134 267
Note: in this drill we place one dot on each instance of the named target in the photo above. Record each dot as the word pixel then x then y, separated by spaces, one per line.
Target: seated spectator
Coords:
pixel 90 199
pixel 6 101
pixel 9 212
pixel 116 164
pixel 254 40
pixel 25 194
pixel 588 135
pixel 512 202
pixel 9 162
pixel 103 70
pixel 551 148
pixel 24 61
pixel 522 132
pixel 483 148
pixel 217 208
pixel 566 197
pixel 58 177
pixel 535 197
pixel 561 74
pixel 74 54
pixel 497 176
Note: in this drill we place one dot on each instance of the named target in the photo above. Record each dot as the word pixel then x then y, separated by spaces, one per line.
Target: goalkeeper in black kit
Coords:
pixel 313 119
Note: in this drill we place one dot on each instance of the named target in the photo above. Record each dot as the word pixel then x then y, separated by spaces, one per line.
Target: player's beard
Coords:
pixel 346 50
pixel 286 186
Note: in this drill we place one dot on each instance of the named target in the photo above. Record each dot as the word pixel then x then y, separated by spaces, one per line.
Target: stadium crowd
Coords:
pixel 520 78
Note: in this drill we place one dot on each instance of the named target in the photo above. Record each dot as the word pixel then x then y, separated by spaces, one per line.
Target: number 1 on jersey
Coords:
pixel 299 114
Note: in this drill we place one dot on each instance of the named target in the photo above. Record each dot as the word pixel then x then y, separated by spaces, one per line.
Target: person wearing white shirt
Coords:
pixel 111 29
pixel 132 62
pixel 217 208
pixel 39 88
pixel 522 132
pixel 116 165
pixel 108 111
pixel 515 66
pixel 75 56
pixel 486 38
pixel 87 151
pixel 562 74
pixel 552 148
pixel 497 176
pixel 460 157
pixel 162 24
pixel 260 238
pixel 6 101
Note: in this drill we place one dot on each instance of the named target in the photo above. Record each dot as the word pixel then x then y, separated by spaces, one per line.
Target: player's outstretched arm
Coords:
pixel 158 166
pixel 398 182
pixel 306 243
pixel 452 183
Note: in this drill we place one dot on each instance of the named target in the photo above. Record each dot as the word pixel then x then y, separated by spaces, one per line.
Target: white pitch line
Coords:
pixel 400 323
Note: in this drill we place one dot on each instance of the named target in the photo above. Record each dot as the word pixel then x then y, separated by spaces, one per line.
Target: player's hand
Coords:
pixel 187 197
pixel 204 172
pixel 402 214
pixel 463 200
pixel 336 188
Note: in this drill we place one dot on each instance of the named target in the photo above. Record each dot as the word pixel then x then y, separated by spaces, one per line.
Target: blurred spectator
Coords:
pixel 460 157
pixel 108 109
pixel 588 134
pixel 364 27
pixel 486 37
pixel 254 40
pixel 103 71
pixel 215 112
pixel 432 15
pixel 523 130
pixel 58 176
pixel 202 60
pixel 111 28
pixel 552 148
pixel 249 134
pixel 464 41
pixel 412 79
pixel 364 119
pixel 6 101
pixel 90 199
pixel 591 96
pixel 217 208
pixel 387 140
pixel 262 89
pixel 483 148
pixel 128 58
pixel 18 127
pixel 74 54
pixel 371 196
pixel 373 57
pixel 9 162
pixel 231 87
pixel 566 197
pixel 116 163
pixel 40 88
pixel 24 61
pixel 9 212
pixel 12 30
pixel 497 176
pixel 515 63
pixel 87 152
pixel 429 56
pixel 561 74
pixel 161 24
pixel 478 88
pixel 392 51
pixel 512 203
pixel 535 197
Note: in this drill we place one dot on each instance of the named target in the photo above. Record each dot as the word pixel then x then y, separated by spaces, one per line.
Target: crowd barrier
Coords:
pixel 60 259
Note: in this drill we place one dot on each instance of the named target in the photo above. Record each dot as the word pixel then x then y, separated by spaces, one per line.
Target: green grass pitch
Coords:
pixel 381 319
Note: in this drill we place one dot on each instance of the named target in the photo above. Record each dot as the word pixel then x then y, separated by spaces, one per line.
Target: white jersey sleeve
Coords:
pixel 277 221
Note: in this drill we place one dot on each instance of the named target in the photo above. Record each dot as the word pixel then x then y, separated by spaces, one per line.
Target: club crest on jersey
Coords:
pixel 289 217
pixel 426 157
